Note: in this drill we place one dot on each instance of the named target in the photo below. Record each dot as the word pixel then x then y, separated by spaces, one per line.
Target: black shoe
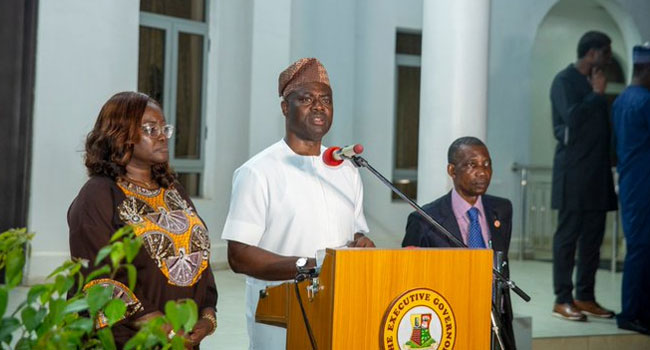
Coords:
pixel 635 326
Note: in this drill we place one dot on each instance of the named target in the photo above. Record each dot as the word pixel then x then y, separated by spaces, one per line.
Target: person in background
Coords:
pixel 582 188
pixel 131 183
pixel 475 218
pixel 631 116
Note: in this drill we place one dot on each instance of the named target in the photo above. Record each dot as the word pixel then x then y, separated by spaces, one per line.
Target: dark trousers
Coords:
pixel 584 231
pixel 636 272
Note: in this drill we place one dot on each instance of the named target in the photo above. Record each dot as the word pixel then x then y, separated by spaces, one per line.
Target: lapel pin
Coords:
pixel 497 223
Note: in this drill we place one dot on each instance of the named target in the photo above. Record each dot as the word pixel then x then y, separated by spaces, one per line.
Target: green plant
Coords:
pixel 60 315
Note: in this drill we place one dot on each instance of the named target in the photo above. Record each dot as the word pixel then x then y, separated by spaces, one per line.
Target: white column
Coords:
pixel 86 52
pixel 271 48
pixel 453 95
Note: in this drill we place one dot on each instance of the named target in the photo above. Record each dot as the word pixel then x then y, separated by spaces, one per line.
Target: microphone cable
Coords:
pixel 312 340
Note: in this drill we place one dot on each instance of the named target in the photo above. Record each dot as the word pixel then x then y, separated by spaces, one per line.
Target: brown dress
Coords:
pixel 174 260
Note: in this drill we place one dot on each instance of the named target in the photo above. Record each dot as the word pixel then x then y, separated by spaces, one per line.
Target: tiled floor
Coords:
pixel 536 279
pixel 533 277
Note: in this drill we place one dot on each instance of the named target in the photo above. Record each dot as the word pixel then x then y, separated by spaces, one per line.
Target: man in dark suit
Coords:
pixel 582 187
pixel 475 218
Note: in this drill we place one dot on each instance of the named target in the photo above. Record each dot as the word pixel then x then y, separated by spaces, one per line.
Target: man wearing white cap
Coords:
pixel 631 115
pixel 286 203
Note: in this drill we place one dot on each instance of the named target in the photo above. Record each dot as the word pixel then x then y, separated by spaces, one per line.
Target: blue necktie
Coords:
pixel 475 239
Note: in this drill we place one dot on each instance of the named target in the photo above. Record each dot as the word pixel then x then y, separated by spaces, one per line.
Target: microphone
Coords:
pixel 334 156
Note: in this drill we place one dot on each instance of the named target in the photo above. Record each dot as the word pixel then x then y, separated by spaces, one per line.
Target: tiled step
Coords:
pixel 594 342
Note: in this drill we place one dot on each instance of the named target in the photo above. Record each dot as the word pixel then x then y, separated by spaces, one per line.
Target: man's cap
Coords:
pixel 305 70
pixel 641 54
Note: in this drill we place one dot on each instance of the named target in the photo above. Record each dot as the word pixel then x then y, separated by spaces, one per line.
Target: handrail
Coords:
pixel 524 170
pixel 531 167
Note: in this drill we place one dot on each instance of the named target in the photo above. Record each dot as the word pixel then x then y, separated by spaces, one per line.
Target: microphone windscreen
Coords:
pixel 328 157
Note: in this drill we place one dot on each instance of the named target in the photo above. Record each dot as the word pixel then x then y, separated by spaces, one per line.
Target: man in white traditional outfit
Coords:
pixel 286 203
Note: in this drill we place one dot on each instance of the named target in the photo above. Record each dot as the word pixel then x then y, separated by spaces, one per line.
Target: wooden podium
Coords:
pixel 423 298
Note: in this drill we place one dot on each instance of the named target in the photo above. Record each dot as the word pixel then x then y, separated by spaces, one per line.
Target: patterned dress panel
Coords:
pixel 120 291
pixel 173 235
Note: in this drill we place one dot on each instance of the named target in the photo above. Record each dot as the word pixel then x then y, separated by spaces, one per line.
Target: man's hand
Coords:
pixel 361 241
pixel 262 264
pixel 598 80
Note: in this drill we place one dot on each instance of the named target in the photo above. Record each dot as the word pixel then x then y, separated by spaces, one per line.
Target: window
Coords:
pixel 408 48
pixel 172 70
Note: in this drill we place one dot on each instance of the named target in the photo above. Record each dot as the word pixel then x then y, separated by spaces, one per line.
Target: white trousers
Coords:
pixel 261 336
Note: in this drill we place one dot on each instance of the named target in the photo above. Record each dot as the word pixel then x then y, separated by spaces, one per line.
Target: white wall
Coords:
pixel 356 43
pixel 314 36
pixel 511 129
pixel 270 55
pixel 376 24
pixel 85 53
pixel 227 113
pixel 554 48
pixel 513 25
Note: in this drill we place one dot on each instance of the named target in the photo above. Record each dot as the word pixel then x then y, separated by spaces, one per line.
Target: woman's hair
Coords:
pixel 109 145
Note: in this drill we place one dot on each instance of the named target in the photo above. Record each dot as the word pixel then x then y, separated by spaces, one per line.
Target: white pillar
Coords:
pixel 271 46
pixel 453 92
pixel 86 51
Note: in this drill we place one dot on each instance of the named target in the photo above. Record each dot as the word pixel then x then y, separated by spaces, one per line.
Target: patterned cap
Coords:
pixel 641 54
pixel 305 70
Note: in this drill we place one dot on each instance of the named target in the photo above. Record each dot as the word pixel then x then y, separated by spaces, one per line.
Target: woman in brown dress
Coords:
pixel 131 183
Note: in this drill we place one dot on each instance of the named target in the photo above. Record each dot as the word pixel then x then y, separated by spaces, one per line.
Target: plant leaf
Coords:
pixel 27 315
pixel 117 254
pixel 35 292
pixel 7 326
pixel 75 306
pixel 82 324
pixel 102 254
pixel 104 270
pixel 63 284
pixel 106 337
pixel 24 344
pixel 136 341
pixel 14 267
pixel 178 343
pixel 114 311
pixel 47 294
pixel 56 307
pixel 4 299
pixel 173 313
pixel 131 248
pixel 80 283
pixel 74 268
pixel 192 314
pixel 132 275
pixel 60 269
pixel 97 296
pixel 122 231
pixel 32 318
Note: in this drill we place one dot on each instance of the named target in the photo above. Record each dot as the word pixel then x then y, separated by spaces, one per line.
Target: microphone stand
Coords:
pixel 497 305
pixel 360 162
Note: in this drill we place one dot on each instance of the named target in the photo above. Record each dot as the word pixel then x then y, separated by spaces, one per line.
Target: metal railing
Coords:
pixel 538 221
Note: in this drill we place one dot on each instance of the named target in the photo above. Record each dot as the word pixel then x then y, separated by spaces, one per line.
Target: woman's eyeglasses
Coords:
pixel 154 130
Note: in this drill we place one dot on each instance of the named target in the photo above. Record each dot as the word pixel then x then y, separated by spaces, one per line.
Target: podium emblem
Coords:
pixel 420 318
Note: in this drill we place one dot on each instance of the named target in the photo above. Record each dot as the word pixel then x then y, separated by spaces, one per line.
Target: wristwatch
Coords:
pixel 301 265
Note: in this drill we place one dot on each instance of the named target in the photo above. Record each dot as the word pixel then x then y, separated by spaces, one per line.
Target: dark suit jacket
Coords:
pixel 582 175
pixel 419 233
